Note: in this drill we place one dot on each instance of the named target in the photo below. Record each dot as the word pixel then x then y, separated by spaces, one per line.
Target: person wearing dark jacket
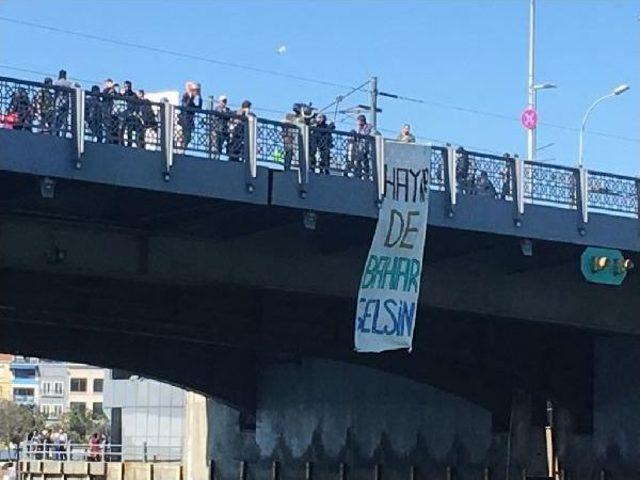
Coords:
pixel 130 124
pixel 149 121
pixel 109 116
pixel 190 102
pixel 94 111
pixel 320 142
pixel 20 106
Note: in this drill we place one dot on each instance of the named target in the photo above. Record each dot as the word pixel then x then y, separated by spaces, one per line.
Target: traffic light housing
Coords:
pixel 604 265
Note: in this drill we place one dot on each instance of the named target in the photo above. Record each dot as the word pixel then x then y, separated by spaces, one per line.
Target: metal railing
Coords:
pixel 36 107
pixel 120 120
pixel 278 143
pixel 613 193
pixel 99 453
pixel 438 166
pixel 550 184
pixel 210 134
pixel 341 153
pixel 129 121
pixel 484 174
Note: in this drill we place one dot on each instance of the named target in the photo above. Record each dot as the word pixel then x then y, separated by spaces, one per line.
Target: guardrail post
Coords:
pixel 379 172
pixel 516 169
pixel 303 159
pixel 78 124
pixel 251 151
pixel 450 178
pixel 638 198
pixel 582 198
pixel 168 114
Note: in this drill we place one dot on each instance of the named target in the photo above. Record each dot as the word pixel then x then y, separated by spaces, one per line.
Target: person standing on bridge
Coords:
pixel 238 132
pixel 63 103
pixel 191 102
pixel 405 135
pixel 361 148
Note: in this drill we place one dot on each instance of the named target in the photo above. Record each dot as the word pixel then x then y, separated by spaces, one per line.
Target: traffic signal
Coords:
pixel 604 265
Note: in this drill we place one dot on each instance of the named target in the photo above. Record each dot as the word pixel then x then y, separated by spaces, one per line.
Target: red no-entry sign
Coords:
pixel 529 118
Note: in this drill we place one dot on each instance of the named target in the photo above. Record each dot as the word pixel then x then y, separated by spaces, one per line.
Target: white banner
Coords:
pixel 390 285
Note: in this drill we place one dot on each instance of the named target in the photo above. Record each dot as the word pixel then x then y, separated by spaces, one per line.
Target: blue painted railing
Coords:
pixel 134 123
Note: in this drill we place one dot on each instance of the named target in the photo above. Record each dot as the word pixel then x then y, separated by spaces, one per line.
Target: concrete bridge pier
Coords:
pixel 323 419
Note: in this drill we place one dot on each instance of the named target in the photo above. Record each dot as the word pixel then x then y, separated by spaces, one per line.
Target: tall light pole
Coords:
pixel 532 87
pixel 619 90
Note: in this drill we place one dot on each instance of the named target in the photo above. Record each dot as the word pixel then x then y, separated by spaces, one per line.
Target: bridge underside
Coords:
pixel 238 300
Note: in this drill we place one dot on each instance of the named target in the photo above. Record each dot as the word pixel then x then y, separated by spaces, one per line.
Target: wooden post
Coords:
pixel 448 473
pixel 343 471
pixel 376 472
pixel 243 470
pixel 275 470
pixel 486 474
pixel 308 471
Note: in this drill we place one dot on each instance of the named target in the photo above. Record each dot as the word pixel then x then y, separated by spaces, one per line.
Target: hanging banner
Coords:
pixel 390 285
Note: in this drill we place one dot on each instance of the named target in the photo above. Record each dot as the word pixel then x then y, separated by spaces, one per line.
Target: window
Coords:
pixel 78 384
pixel 98 385
pixel 23 391
pixel 78 406
pixel 52 412
pixel 97 408
pixel 52 388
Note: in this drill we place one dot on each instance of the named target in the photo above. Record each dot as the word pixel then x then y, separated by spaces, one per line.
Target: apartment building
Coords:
pixel 53 398
pixel 24 383
pixel 6 392
pixel 85 386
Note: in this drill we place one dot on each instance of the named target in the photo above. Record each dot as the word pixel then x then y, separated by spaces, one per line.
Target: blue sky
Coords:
pixel 468 54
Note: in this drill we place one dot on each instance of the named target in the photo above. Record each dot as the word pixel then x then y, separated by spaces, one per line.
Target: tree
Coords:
pixel 80 424
pixel 16 421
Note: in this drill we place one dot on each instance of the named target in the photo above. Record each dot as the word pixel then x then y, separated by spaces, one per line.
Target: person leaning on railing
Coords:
pixel 44 107
pixel 20 108
pixel 220 127
pixel 320 143
pixel 191 100
pixel 360 161
pixel 238 131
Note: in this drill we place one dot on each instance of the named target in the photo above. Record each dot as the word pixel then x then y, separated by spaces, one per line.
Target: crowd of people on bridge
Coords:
pixel 122 115
pixel 119 114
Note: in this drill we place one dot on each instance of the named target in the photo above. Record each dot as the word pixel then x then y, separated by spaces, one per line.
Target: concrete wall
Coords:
pixel 330 412
pixel 617 404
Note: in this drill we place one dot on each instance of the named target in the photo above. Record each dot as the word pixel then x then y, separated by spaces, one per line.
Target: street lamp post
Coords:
pixel 619 90
pixel 532 87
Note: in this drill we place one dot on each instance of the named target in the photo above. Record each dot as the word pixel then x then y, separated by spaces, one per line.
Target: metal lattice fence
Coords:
pixel 278 143
pixel 484 174
pixel 126 121
pixel 549 184
pixel 36 107
pixel 612 192
pixel 209 134
pixel 438 165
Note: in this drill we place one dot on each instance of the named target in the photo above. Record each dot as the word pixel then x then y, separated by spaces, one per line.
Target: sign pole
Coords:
pixel 531 132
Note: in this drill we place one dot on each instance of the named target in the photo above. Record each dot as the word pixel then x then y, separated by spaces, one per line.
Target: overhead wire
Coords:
pixel 174 53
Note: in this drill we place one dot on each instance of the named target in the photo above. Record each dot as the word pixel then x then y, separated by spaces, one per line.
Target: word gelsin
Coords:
pixel 395 317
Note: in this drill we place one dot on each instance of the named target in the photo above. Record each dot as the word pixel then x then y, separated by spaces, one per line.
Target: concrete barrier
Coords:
pixel 72 470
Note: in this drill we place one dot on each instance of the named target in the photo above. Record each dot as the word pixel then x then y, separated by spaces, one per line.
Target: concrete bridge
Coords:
pixel 197 265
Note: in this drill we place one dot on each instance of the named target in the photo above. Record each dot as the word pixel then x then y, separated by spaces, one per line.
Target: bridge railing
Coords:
pixel 439 162
pixel 99 453
pixel 613 193
pixel 126 121
pixel 210 134
pixel 278 143
pixel 339 152
pixel 59 111
pixel 550 184
pixel 36 107
pixel 484 174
